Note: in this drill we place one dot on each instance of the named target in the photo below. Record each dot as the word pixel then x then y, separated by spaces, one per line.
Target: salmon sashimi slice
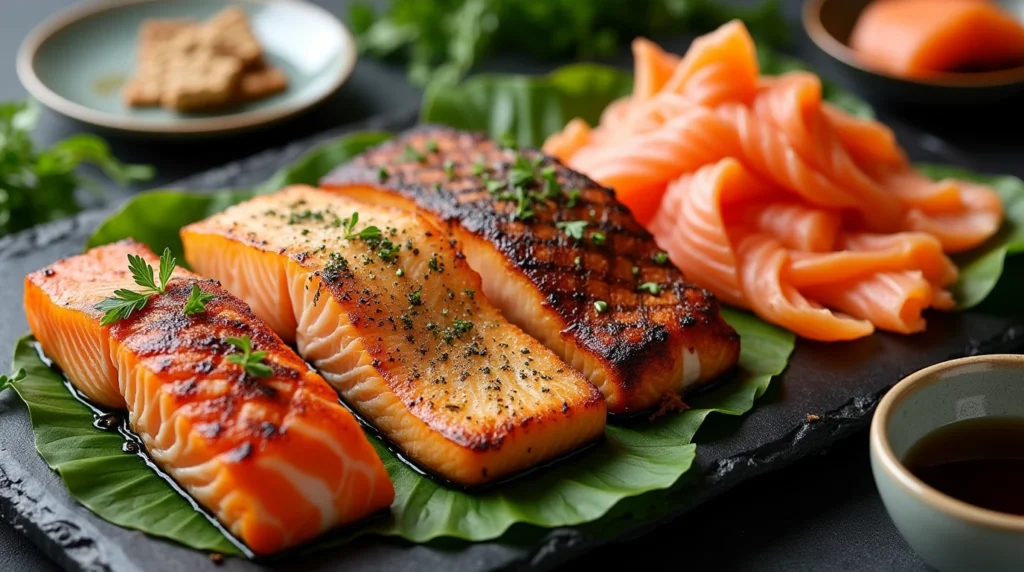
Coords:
pixel 395 319
pixel 762 260
pixel 561 258
pixel 277 460
pixel 719 67
pixel 917 38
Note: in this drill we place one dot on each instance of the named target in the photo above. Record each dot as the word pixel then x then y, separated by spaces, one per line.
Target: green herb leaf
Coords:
pixel 410 154
pixel 601 306
pixel 572 228
pixel 449 169
pixel 598 238
pixel 651 287
pixel 40 185
pixel 660 258
pixel 368 233
pixel 167 264
pixel 250 361
pixel 142 272
pixel 197 301
pixel 121 306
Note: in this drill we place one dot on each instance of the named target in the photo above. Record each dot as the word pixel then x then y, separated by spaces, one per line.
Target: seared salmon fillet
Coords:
pixel 391 315
pixel 274 457
pixel 560 257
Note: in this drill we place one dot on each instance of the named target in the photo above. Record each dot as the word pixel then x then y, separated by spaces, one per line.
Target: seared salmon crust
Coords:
pixel 607 302
pixel 276 459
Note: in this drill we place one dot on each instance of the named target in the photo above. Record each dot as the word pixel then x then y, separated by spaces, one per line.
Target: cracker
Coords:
pixel 229 33
pixel 261 82
pixel 202 80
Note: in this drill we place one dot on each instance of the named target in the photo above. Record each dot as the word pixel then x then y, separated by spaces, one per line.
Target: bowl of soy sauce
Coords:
pixel 947 454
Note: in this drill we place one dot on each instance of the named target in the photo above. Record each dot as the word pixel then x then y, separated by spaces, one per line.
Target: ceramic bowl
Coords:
pixel 77 61
pixel 829 24
pixel 949 534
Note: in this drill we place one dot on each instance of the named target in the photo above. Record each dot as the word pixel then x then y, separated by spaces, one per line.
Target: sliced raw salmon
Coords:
pixel 397 322
pixel 276 459
pixel 916 38
pixel 560 257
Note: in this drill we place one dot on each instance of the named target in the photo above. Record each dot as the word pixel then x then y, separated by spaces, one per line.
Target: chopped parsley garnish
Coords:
pixel 382 174
pixel 197 301
pixel 410 154
pixel 573 228
pixel 251 362
pixel 462 326
pixel 370 232
pixel 495 186
pixel 651 287
pixel 661 258
pixel 574 197
pixel 635 270
pixel 399 272
pixel 521 171
pixel 432 263
pixel 336 264
pixel 449 169
pixel 387 250
pixel 416 298
pixel 598 238
pixel 578 262
pixel 601 306
pixel 126 302
pixel 431 146
pixel 524 204
pixel 478 167
pixel 470 292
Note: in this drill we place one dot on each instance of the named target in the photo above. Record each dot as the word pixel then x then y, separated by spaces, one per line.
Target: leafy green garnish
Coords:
pixel 39 185
pixel 197 301
pixel 368 233
pixel 251 362
pixel 443 40
pixel 573 228
pixel 126 302
pixel 601 306
pixel 651 287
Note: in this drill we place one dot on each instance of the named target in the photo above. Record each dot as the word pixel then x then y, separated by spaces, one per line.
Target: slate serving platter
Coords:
pixel 828 392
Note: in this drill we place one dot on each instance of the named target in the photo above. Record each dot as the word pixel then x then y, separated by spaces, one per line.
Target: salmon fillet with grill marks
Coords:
pixel 397 324
pixel 277 460
pixel 607 301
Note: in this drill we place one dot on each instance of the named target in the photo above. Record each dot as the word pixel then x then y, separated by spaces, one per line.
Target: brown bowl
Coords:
pixel 829 24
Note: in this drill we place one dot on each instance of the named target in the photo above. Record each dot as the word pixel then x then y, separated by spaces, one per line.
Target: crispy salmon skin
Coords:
pixel 277 460
pixel 392 316
pixel 561 258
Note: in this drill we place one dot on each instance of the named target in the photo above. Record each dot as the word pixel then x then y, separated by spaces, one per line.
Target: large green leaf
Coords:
pixel 117 486
pixel 532 108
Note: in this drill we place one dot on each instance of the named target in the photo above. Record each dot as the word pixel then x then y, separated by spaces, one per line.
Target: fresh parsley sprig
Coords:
pixel 573 228
pixel 251 362
pixel 197 301
pixel 126 302
pixel 368 233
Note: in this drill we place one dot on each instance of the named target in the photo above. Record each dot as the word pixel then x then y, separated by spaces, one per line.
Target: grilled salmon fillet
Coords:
pixel 394 319
pixel 277 460
pixel 559 256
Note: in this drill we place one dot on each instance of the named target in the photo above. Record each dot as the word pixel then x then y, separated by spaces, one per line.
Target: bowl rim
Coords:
pixel 811 19
pixel 911 485
pixel 62 19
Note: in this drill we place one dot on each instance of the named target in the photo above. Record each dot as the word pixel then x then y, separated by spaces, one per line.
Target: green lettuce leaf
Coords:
pixel 530 108
pixel 119 487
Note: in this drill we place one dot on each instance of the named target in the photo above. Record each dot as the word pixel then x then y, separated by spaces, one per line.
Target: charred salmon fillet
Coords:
pixel 273 456
pixel 559 256
pixel 391 315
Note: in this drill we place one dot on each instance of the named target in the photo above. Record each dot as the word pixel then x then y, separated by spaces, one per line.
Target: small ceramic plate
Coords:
pixel 77 61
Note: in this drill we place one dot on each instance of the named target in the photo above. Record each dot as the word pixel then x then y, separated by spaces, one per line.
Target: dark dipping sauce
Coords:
pixel 978 461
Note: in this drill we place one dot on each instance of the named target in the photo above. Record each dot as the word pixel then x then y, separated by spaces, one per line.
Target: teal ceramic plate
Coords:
pixel 77 61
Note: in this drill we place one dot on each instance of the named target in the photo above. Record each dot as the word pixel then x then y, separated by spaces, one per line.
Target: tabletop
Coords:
pixel 822 512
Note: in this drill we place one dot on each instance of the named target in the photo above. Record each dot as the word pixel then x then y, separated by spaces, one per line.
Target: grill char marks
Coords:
pixel 627 340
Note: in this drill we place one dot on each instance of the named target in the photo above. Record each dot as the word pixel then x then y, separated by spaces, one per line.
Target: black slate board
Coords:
pixel 839 383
